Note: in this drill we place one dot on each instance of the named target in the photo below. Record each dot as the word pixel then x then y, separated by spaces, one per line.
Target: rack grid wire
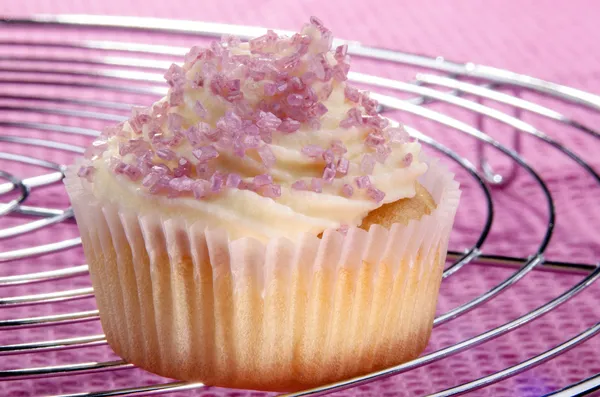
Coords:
pixel 56 93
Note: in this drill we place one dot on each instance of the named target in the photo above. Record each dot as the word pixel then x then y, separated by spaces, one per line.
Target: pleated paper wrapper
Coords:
pixel 184 301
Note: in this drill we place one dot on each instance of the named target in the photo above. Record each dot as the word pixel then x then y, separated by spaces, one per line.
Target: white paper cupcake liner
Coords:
pixel 184 301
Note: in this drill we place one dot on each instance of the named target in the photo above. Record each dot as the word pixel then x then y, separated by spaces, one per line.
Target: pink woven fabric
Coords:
pixel 552 40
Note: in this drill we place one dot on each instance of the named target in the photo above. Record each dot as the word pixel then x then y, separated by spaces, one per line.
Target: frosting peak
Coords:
pixel 263 138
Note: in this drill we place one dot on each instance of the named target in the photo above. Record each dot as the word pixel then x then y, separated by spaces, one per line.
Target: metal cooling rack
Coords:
pixel 126 64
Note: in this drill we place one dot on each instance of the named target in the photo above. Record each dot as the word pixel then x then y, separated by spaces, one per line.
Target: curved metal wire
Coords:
pixel 490 77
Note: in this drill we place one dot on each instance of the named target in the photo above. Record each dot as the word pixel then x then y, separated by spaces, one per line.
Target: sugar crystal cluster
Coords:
pixel 296 76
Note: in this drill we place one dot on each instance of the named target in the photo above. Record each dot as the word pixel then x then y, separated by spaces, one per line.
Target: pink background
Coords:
pixel 552 40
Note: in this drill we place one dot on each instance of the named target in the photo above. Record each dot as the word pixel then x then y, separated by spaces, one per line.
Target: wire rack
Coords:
pixel 42 117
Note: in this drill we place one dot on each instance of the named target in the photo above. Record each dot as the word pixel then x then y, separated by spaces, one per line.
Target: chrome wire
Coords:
pixel 488 80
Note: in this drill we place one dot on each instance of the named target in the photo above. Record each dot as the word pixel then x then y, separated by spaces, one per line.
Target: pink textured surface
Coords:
pixel 553 40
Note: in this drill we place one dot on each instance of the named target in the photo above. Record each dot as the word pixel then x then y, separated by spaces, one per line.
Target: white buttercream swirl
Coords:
pixel 246 213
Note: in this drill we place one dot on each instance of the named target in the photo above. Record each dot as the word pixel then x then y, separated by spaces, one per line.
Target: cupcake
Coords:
pixel 262 227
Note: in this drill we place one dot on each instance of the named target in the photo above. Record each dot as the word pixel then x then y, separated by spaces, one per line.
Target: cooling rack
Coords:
pixel 82 72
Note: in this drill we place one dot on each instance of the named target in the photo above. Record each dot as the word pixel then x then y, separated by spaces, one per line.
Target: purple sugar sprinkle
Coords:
pixel 166 154
pixel 174 122
pixel 232 88
pixel 97 147
pixel 267 156
pixel 268 121
pixel 259 43
pixel 161 185
pixel 184 167
pixel 205 153
pixel 340 71
pixel 316 185
pixel 343 166
pixel 200 188
pixel 289 125
pixel 197 80
pixel 112 130
pixel 246 186
pixel 159 111
pixel 175 140
pixel 299 185
pixel 176 97
pixel 328 175
pixel 316 21
pixel 310 96
pixel 367 164
pixel 132 172
pixel 369 104
pixel 328 156
pixel 308 77
pixel 363 182
pixel 338 147
pixel 312 151
pixel 217 85
pixel 352 94
pixel 269 89
pixel 135 146
pixel 290 62
pixel 150 179
pixel 175 75
pixel 216 182
pixel 340 52
pixel 374 139
pixel 145 159
pixel 375 194
pixel 295 99
pixel 138 121
pixel 216 48
pixel 193 135
pixel 382 152
pixel 281 88
pixel 231 122
pixel 243 109
pixel 317 67
pixel 251 141
pixel 86 172
pixel 266 136
pixel 272 191
pixel 398 135
pixel 376 122
pixel 262 180
pixel 353 118
pixel 407 160
pixel 233 180
pixel 347 190
pixel 161 169
pixel 325 91
pixel 252 130
pixel 181 184
pixel 296 84
pixel 213 135
pixel 194 53
pixel 210 134
pixel 239 149
pixel 230 41
pixel 319 109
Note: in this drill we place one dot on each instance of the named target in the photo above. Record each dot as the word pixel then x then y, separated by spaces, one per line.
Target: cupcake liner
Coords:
pixel 185 301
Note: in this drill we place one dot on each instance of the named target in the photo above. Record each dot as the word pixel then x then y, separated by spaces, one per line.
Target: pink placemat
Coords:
pixel 552 40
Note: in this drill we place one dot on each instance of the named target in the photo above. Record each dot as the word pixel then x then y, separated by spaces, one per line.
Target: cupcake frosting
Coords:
pixel 262 139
